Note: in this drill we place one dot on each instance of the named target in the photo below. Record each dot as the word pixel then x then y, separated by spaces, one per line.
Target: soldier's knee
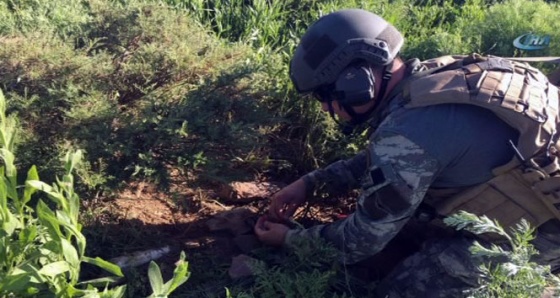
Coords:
pixel 547 242
pixel 444 268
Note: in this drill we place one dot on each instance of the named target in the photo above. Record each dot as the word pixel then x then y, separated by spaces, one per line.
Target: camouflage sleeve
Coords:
pixel 395 183
pixel 341 175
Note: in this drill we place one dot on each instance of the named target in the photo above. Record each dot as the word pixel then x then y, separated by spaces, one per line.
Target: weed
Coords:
pixel 310 270
pixel 42 248
pixel 518 275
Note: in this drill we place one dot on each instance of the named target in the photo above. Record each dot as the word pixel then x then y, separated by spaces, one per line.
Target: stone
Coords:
pixel 241 266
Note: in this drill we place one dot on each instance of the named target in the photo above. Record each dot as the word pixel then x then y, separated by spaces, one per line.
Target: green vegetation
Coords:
pixel 42 249
pixel 180 275
pixel 309 271
pixel 517 275
pixel 151 90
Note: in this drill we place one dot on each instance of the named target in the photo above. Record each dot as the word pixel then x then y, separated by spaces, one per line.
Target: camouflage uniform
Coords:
pixel 407 154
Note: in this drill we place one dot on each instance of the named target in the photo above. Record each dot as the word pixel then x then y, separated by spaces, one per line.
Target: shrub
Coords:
pixel 518 275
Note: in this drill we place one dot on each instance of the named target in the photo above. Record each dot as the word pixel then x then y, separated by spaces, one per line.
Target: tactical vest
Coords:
pixel 522 96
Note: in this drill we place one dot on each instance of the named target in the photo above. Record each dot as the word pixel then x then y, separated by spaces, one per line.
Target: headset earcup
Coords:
pixel 355 85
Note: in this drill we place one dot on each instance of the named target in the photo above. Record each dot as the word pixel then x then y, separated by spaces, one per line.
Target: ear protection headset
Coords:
pixel 355 86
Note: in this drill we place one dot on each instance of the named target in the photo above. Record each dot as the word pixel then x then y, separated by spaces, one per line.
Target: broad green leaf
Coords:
pixel 156 281
pixel 66 221
pixel 32 270
pixel 72 159
pixel 54 195
pixel 73 206
pixel 15 283
pixel 54 269
pixel 4 251
pixel 71 291
pixel 9 159
pixel 35 288
pixel 28 234
pixel 73 227
pixel 90 294
pixel 10 223
pixel 106 265
pixel 81 242
pixel 39 185
pixel 180 275
pixel 29 191
pixel 52 247
pixel 11 188
pixel 29 289
pixel 3 195
pixel 49 220
pixel 117 292
pixel 70 253
pixel 102 282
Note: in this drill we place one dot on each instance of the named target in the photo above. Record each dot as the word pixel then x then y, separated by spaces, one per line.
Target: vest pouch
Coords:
pixel 439 88
pixel 549 191
pixel 506 198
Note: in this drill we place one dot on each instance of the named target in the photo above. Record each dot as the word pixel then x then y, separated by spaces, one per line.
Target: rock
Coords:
pixel 237 221
pixel 247 191
pixel 241 266
pixel 140 257
pixel 548 292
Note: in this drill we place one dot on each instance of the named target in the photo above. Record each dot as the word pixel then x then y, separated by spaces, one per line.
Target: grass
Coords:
pixel 148 89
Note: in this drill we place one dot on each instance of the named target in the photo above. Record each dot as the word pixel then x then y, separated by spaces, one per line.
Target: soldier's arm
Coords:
pixel 397 179
pixel 340 175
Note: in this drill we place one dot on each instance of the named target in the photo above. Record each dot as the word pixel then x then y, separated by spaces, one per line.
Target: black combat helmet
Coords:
pixel 336 40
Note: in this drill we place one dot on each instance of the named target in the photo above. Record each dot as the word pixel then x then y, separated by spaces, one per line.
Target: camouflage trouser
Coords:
pixel 442 268
pixel 446 268
pixel 547 243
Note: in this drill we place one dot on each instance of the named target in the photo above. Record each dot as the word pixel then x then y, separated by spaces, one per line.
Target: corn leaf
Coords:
pixel 74 230
pixel 49 220
pixel 54 269
pixel 72 160
pixel 32 270
pixel 102 282
pixel 70 253
pixel 9 159
pixel 156 280
pixel 28 234
pixel 106 265
pixel 29 191
pixel 57 197
pixel 117 292
pixel 15 283
pixel 180 275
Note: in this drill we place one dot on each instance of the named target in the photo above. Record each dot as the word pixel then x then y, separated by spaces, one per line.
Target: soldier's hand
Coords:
pixel 270 233
pixel 285 202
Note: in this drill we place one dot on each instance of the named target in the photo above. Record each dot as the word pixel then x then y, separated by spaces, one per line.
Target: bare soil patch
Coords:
pixel 213 225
